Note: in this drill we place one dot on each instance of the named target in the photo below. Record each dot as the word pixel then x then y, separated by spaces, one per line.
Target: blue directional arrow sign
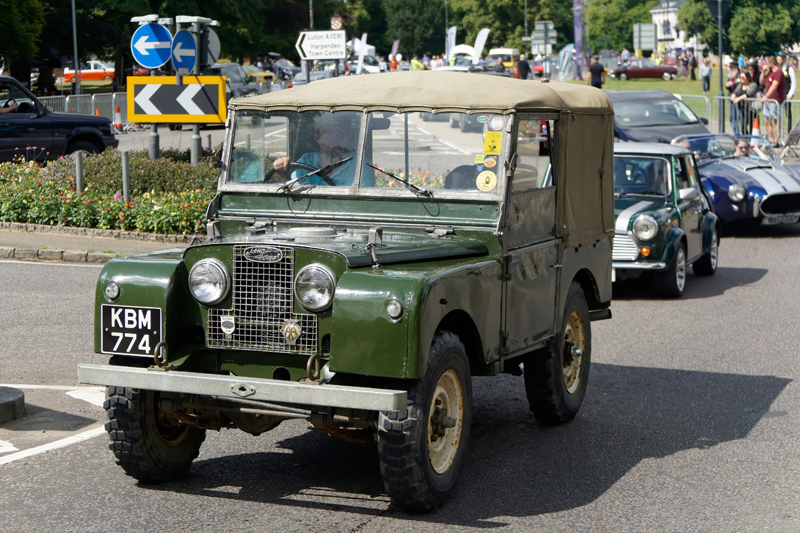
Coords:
pixel 184 52
pixel 151 45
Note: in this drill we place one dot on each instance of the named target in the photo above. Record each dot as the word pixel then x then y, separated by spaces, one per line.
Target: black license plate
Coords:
pixel 130 330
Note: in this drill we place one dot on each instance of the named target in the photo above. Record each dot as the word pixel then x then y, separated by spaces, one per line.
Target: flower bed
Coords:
pixel 167 195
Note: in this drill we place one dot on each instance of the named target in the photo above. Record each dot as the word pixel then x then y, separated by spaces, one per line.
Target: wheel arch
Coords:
pixel 591 290
pixel 460 323
pixel 85 137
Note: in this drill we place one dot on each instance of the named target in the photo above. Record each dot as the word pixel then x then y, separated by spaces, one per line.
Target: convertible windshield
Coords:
pixel 281 147
pixel 641 175
pixel 712 147
pixel 667 112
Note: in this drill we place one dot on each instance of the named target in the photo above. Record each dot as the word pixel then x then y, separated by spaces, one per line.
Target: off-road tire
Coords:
pixel 464 125
pixel 553 397
pixel 453 121
pixel 136 442
pixel 707 264
pixel 669 283
pixel 403 437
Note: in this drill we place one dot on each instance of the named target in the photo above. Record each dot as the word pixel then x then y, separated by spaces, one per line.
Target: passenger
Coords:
pixel 337 137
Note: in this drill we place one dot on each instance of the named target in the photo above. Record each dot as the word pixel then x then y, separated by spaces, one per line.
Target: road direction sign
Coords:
pixel 544 33
pixel 157 100
pixel 214 47
pixel 644 36
pixel 151 45
pixel 184 52
pixel 322 45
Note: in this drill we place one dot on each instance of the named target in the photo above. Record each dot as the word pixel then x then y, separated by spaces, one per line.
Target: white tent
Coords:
pixel 369 50
pixel 463 49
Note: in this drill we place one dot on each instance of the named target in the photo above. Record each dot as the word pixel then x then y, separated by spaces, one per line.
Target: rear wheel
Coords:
pixel 707 264
pixel 148 445
pixel 421 450
pixel 107 77
pixel 670 284
pixel 666 76
pixel 622 76
pixel 557 375
pixel 464 123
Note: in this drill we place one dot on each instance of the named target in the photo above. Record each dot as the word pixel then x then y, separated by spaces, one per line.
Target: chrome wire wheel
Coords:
pixel 680 269
pixel 445 422
pixel 574 349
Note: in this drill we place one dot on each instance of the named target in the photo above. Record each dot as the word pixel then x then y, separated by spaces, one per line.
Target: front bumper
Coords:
pixel 639 265
pixel 287 392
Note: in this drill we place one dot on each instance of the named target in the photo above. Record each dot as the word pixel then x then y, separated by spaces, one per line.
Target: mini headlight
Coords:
pixel 112 291
pixel 736 192
pixel 394 309
pixel 314 286
pixel 208 281
pixel 645 227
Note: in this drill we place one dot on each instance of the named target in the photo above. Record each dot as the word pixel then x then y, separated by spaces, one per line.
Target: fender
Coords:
pixel 673 238
pixel 710 221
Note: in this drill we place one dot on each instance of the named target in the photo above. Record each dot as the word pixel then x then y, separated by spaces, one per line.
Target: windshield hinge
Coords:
pixel 441 231
pixel 258 227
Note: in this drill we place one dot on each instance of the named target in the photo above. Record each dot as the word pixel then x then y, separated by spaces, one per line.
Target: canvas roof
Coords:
pixel 427 90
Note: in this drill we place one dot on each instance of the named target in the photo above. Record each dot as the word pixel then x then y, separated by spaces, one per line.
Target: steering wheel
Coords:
pixel 291 166
pixel 9 101
pixel 25 107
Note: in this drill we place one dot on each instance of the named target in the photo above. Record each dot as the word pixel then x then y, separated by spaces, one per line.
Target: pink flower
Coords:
pixel 117 196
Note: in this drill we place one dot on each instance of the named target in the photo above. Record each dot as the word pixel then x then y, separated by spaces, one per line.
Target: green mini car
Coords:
pixel 663 221
pixel 361 266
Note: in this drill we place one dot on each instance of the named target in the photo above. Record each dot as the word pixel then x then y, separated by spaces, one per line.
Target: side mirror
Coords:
pixel 704 120
pixel 690 193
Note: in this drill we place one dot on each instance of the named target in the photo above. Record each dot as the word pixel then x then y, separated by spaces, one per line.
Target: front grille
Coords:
pixel 262 306
pixel 623 248
pixel 778 204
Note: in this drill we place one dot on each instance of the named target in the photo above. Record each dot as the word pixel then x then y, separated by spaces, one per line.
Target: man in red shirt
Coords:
pixel 774 89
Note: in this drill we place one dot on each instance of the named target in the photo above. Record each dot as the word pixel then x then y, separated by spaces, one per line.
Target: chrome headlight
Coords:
pixel 209 281
pixel 736 192
pixel 314 287
pixel 645 227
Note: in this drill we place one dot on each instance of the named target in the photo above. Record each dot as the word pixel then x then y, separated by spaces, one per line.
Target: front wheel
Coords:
pixel 421 450
pixel 453 121
pixel 623 76
pixel 149 445
pixel 707 264
pixel 82 146
pixel 557 375
pixel 670 284
pixel 666 76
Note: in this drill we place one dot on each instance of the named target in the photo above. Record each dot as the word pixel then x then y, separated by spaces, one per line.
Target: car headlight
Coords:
pixel 209 281
pixel 736 192
pixel 645 227
pixel 314 287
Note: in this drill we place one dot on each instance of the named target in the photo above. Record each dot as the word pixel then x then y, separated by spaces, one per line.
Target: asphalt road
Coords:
pixel 689 424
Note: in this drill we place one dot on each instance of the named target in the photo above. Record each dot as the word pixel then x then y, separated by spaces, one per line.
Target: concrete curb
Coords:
pixel 69 256
pixel 92 232
pixel 12 404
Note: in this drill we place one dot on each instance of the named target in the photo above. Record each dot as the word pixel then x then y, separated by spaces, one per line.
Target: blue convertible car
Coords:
pixel 745 179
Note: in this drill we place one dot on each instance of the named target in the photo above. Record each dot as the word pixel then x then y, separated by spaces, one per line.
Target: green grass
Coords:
pixel 679 85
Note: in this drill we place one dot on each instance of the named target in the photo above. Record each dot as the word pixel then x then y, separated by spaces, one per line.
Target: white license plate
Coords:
pixel 130 330
pixel 780 219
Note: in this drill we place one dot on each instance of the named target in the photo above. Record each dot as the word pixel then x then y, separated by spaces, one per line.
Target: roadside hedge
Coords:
pixel 167 195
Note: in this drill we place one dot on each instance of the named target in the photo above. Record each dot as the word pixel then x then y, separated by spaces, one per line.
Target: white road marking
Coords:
pixel 75 439
pixel 93 396
pixel 6 447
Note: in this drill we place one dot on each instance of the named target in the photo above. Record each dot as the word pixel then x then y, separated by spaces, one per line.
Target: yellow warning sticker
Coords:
pixel 479 159
pixel 491 142
pixel 486 181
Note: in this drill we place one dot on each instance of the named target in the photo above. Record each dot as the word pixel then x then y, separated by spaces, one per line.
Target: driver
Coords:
pixel 744 149
pixel 10 108
pixel 337 138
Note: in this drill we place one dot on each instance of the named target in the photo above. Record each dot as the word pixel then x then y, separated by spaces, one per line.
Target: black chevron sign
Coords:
pixel 199 100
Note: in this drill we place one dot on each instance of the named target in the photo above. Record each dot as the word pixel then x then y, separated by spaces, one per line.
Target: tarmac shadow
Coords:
pixel 726 278
pixel 515 466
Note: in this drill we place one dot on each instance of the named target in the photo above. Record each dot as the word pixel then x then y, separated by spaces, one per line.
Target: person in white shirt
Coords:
pixel 705 74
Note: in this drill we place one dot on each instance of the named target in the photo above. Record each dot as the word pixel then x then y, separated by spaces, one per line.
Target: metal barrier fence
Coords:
pixel 80 103
pixel 698 104
pixel 56 103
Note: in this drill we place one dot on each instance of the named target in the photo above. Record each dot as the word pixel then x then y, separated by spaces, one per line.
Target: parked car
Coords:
pixel 371 65
pixel 92 71
pixel 52 134
pixel 508 56
pixel 237 81
pixel 653 116
pixel 746 184
pixel 364 299
pixel 256 75
pixel 285 69
pixel 663 221
pixel 301 78
pixel 643 68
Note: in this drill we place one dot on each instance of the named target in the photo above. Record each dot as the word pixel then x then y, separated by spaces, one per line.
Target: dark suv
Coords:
pixel 33 124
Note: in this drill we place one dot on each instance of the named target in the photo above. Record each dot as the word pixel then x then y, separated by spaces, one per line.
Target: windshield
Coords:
pixel 641 175
pixel 9 92
pixel 713 147
pixel 321 149
pixel 666 112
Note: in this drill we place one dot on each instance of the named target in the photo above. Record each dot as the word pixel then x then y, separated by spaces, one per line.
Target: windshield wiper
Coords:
pixel 289 184
pixel 416 189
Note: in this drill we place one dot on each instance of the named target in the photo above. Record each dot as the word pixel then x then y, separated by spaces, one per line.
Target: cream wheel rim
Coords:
pixel 445 422
pixel 574 351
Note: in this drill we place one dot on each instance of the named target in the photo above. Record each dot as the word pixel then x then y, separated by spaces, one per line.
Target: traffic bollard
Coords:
pixel 79 171
pixel 208 142
pixel 154 141
pixel 126 180
pixel 196 145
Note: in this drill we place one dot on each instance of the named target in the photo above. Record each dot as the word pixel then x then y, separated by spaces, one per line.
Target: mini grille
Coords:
pixel 623 248
pixel 262 306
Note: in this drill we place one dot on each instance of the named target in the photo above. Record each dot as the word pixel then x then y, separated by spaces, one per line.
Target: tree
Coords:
pixel 21 30
pixel 611 22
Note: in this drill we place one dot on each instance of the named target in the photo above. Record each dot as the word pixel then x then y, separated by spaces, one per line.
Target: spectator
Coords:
pixel 743 95
pixel 774 86
pixel 624 55
pixel 416 64
pixel 755 72
pixel 692 65
pixel 597 74
pixel 791 85
pixel 684 65
pixel 742 61
pixel 523 67
pixel 734 77
pixel 705 75
pixel 382 64
pixel 393 63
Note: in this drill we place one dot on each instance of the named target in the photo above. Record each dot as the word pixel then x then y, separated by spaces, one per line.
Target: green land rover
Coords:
pixel 360 266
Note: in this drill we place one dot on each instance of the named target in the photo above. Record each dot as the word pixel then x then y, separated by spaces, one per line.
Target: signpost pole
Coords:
pixel 721 115
pixel 197 146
